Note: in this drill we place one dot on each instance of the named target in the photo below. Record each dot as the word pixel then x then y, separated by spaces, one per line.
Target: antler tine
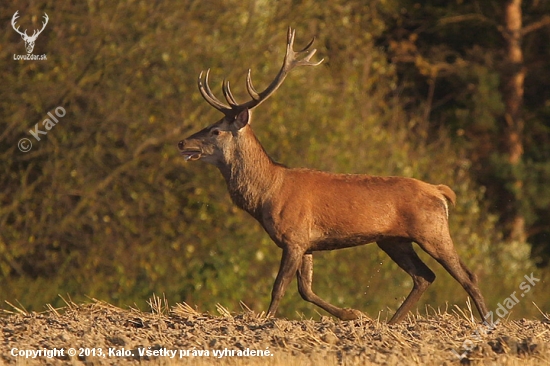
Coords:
pixel 308 45
pixel 14 20
pixel 290 34
pixel 43 24
pixel 291 60
pixel 207 94
pixel 308 53
pixel 250 88
pixel 228 95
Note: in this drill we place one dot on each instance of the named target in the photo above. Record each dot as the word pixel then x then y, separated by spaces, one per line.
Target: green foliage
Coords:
pixel 103 206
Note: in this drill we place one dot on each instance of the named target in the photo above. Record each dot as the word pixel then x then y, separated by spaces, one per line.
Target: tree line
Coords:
pixel 104 206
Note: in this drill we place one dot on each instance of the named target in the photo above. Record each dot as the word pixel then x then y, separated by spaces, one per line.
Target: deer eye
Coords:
pixel 215 132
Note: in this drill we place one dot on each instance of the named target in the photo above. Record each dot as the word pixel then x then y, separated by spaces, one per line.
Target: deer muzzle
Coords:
pixel 188 151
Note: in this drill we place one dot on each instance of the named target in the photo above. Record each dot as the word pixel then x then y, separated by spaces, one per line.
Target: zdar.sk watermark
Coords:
pixel 25 144
pixel 503 308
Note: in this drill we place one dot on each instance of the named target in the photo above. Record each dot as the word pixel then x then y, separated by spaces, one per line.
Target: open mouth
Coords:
pixel 191 154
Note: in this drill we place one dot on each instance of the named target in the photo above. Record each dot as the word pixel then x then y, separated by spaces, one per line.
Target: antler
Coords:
pixel 43 26
pixel 292 59
pixel 24 34
pixel 13 21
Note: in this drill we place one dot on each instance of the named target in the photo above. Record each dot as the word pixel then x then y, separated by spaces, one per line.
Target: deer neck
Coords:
pixel 250 174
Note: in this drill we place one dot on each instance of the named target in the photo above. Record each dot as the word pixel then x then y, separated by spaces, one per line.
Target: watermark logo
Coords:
pixel 29 40
pixel 503 308
pixel 25 144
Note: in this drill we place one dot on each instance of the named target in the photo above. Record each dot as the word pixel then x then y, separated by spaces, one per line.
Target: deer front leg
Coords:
pixel 305 279
pixel 289 265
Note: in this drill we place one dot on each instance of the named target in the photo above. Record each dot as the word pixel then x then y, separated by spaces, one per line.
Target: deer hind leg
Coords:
pixel 445 253
pixel 305 279
pixel 402 253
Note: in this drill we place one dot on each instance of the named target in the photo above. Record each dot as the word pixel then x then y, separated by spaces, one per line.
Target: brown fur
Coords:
pixel 304 211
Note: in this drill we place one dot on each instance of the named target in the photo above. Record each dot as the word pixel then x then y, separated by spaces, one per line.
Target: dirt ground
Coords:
pixel 101 334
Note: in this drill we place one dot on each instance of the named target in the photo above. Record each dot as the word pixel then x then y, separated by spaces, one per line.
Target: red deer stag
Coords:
pixel 304 210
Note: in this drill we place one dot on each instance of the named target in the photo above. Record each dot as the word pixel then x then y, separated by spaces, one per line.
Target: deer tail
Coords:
pixel 448 193
pixel 450 197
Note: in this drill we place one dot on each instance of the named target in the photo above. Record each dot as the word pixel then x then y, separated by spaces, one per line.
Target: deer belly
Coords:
pixel 340 242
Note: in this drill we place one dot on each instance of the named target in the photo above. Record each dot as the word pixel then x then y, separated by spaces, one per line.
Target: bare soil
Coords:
pixel 102 334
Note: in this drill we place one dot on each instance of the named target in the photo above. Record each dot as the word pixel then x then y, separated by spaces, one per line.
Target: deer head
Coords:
pixel 217 144
pixel 29 40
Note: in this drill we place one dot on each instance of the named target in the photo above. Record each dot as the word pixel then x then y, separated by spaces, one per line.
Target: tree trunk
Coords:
pixel 513 133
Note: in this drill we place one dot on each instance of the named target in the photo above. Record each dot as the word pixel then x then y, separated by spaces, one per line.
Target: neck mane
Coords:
pixel 251 175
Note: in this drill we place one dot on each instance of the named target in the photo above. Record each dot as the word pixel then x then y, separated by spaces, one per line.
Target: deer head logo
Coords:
pixel 29 40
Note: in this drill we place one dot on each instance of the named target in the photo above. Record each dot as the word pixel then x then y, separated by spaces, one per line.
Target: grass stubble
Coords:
pixel 434 338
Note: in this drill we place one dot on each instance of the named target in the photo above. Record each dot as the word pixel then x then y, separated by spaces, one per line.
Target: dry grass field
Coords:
pixel 101 334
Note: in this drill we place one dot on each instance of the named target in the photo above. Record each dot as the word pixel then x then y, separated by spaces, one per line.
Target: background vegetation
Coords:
pixel 103 206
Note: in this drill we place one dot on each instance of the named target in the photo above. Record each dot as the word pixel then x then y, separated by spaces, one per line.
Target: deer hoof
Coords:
pixel 350 314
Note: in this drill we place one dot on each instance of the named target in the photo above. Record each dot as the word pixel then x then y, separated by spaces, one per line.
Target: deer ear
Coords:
pixel 242 118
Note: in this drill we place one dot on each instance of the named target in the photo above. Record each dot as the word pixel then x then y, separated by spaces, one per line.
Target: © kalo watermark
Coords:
pixel 503 308
pixel 25 144
pixel 29 40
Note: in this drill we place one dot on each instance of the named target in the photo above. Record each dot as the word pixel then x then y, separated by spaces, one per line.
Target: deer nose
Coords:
pixel 180 145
